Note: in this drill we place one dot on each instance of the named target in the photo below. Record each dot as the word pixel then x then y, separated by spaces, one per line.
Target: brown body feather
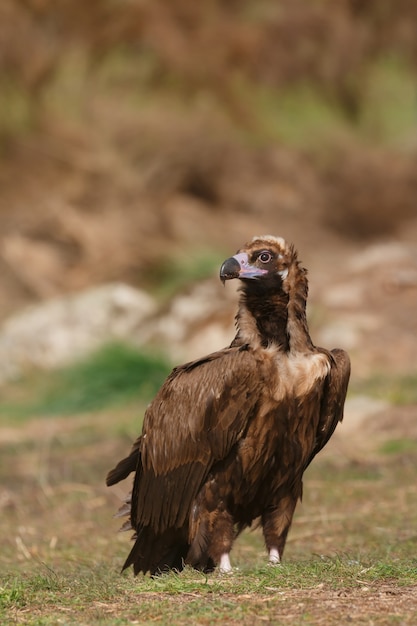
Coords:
pixel 228 437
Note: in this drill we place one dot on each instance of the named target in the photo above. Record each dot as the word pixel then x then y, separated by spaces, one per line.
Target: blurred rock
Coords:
pixel 360 309
pixel 348 330
pixel 65 329
pixel 196 323
pixel 359 409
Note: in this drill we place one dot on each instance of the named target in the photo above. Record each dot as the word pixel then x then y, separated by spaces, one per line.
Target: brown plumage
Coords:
pixel 227 438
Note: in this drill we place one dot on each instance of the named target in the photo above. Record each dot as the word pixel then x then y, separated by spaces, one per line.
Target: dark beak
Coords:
pixel 230 269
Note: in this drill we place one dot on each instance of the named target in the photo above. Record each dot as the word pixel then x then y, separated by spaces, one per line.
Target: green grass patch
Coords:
pixel 303 114
pixel 352 472
pixel 12 593
pixel 17 108
pixel 404 573
pixel 388 100
pixel 103 596
pixel 398 446
pixel 115 375
pixel 298 116
pixel 397 390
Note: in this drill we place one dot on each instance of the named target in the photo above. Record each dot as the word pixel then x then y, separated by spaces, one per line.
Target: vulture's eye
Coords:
pixel 265 257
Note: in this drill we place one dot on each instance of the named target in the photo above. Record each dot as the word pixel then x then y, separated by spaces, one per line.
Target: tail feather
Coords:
pixel 124 510
pixel 126 526
pixel 125 466
pixel 157 553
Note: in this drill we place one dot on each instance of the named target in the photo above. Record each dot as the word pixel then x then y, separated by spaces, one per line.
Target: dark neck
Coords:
pixel 270 314
pixel 280 317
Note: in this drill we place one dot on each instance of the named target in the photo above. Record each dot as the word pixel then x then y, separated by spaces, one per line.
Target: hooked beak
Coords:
pixel 238 266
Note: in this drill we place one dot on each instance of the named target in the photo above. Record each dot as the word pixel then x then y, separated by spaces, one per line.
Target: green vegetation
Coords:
pixel 397 390
pixel 104 596
pixel 300 116
pixel 389 101
pixel 114 375
pixel 399 446
pixel 16 109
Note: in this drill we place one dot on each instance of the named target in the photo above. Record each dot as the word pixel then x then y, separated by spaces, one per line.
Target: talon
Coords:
pixel 274 557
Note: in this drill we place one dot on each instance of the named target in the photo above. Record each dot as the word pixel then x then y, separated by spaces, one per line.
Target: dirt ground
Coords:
pixel 370 604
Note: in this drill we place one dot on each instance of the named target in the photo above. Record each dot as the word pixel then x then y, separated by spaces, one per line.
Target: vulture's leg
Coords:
pixel 276 523
pixel 221 540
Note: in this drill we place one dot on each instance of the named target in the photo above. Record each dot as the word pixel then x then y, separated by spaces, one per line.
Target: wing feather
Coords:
pixel 334 394
pixel 195 420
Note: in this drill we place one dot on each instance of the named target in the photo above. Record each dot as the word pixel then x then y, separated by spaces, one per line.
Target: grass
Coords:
pixel 389 101
pixel 16 109
pixel 298 116
pixel 398 390
pixel 351 547
pixel 399 446
pixel 99 594
pixel 303 115
pixel 114 375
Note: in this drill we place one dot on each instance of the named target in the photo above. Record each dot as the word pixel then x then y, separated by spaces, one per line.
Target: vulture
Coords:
pixel 227 438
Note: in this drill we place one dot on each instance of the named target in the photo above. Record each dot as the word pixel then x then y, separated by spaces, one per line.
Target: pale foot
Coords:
pixel 274 557
pixel 225 566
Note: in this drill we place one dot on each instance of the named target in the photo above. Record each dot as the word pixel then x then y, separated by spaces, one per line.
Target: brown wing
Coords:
pixel 334 394
pixel 195 419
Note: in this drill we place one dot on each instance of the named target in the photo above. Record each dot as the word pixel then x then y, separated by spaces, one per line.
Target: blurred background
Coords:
pixel 141 143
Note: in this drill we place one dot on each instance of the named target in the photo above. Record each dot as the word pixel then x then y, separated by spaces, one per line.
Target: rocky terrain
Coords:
pixel 363 298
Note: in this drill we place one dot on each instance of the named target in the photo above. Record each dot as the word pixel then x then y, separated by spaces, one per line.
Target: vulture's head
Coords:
pixel 266 261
